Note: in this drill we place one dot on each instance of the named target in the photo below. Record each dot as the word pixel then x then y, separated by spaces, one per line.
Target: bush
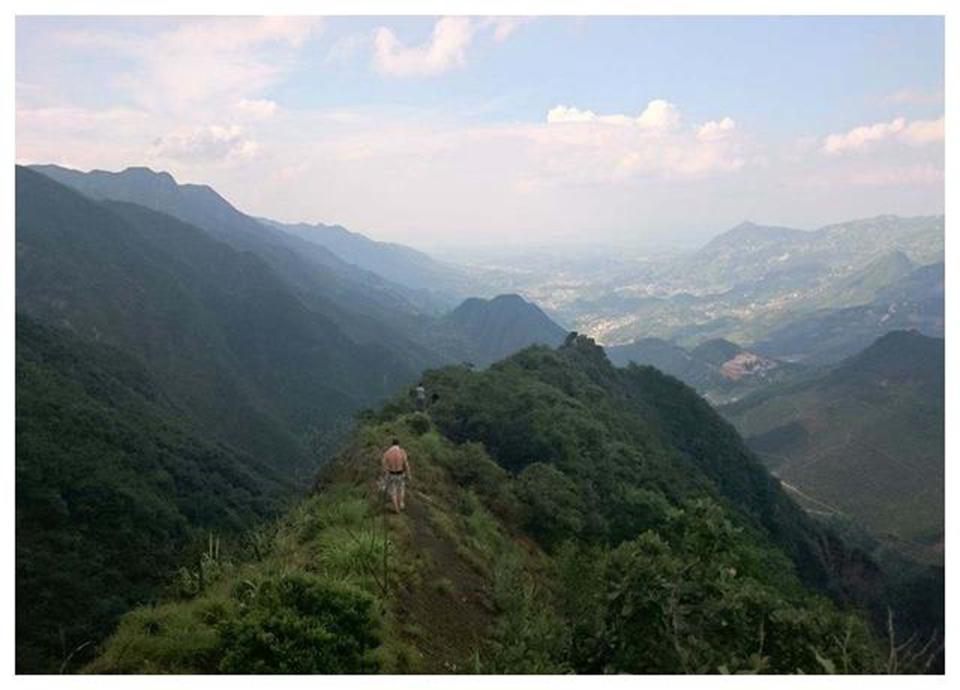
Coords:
pixel 553 505
pixel 300 624
pixel 418 423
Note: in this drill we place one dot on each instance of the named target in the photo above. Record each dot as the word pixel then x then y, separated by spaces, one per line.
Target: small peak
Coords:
pixel 143 171
pixel 510 297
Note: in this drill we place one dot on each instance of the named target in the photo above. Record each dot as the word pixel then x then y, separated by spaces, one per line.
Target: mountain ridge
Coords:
pixel 549 570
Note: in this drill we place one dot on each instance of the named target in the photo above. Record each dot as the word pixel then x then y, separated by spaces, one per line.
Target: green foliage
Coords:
pixel 689 599
pixel 553 508
pixel 886 403
pixel 419 423
pixel 529 637
pixel 299 624
pixel 659 546
pixel 114 490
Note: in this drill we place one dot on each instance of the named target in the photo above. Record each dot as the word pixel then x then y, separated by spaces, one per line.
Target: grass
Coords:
pixel 340 534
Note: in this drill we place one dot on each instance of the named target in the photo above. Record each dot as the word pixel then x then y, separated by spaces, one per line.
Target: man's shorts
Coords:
pixel 395 482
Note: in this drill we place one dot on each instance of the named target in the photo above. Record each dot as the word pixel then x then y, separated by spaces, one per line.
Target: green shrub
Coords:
pixel 300 624
pixel 418 423
pixel 554 510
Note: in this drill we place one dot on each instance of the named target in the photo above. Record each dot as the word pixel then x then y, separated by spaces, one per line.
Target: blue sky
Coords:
pixel 473 130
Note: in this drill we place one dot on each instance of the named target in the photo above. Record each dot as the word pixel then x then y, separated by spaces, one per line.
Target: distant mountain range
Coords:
pixel 718 369
pixel 827 335
pixel 310 269
pixel 247 336
pixel 752 252
pixel 863 439
pixel 780 291
pixel 397 263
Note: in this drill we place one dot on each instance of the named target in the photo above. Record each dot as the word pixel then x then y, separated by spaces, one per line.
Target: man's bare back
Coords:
pixel 396 470
pixel 395 459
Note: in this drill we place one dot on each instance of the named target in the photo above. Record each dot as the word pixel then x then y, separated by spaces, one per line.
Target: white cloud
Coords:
pixel 589 147
pixel 504 27
pixel 866 136
pixel 211 143
pixel 659 115
pixel 924 132
pixel 256 109
pixel 445 50
pixel 562 113
pixel 861 137
pixel 203 62
pixel 716 130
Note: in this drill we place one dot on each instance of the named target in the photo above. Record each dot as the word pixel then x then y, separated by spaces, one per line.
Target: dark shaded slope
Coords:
pixel 495 328
pixel 112 481
pixel 361 302
pixel 224 335
pixel 667 357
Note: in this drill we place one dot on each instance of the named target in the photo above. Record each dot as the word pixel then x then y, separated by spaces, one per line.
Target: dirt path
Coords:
pixel 449 607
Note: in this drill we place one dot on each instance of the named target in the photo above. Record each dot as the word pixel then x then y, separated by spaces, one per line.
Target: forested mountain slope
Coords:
pixel 310 270
pixel 491 329
pixel 863 439
pixel 564 516
pixel 223 334
pixel 260 378
pixel 113 481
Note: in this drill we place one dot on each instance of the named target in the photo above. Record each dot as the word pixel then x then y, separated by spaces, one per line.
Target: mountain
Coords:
pixel 718 369
pixel 863 440
pixel 749 252
pixel 226 336
pixel 492 329
pixel 397 263
pixel 753 284
pixel 752 238
pixel 863 286
pixel 112 483
pixel 313 272
pixel 575 516
pixel 826 336
pixel 171 381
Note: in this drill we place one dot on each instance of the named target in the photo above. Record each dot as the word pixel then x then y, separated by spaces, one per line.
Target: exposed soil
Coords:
pixel 449 606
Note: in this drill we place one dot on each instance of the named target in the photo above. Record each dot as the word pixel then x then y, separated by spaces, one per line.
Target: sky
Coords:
pixel 461 131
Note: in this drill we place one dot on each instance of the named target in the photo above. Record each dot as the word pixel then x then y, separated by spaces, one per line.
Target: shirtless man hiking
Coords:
pixel 396 470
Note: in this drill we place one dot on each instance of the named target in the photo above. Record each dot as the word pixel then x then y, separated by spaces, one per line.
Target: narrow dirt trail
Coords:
pixel 449 605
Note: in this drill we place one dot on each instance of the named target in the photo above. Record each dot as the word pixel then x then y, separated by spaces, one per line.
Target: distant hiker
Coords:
pixel 420 395
pixel 396 471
